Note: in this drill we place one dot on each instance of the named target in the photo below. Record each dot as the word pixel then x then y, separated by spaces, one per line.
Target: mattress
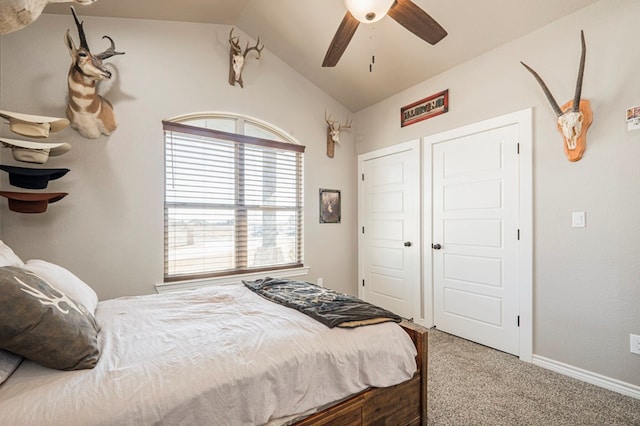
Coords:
pixel 219 355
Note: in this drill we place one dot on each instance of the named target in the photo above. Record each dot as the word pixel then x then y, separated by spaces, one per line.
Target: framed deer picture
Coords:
pixel 330 206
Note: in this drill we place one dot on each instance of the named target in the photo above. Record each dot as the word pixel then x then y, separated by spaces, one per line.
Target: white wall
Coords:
pixel 586 280
pixel 109 230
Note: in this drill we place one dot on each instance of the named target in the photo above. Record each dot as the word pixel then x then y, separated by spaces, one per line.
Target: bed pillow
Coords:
pixel 65 281
pixel 43 324
pixel 8 364
pixel 8 257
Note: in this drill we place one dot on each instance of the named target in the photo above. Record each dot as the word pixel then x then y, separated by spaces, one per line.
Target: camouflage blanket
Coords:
pixel 331 308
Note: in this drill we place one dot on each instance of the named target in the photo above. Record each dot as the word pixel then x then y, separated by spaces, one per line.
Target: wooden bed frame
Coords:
pixel 403 404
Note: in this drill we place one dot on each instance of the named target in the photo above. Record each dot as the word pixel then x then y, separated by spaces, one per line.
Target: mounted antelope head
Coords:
pixel 237 58
pixel 333 132
pixel 89 113
pixel 17 14
pixel 574 117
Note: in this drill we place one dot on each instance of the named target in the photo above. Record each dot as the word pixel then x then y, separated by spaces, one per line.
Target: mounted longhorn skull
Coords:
pixel 89 113
pixel 237 58
pixel 574 117
pixel 17 14
pixel 333 132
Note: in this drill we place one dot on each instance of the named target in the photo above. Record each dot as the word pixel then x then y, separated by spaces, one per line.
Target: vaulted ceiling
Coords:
pixel 299 33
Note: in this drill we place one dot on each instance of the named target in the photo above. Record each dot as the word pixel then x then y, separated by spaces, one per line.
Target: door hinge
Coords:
pixel 518 235
pixel 518 148
pixel 518 320
pixel 363 176
pixel 363 229
pixel 362 283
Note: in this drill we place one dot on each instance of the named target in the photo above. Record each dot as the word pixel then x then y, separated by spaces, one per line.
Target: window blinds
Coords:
pixel 233 203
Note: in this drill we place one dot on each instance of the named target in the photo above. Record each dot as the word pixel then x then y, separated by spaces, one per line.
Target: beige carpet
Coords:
pixel 470 384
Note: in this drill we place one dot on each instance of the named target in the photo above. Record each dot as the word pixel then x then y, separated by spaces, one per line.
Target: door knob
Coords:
pixel 407 243
pixel 436 246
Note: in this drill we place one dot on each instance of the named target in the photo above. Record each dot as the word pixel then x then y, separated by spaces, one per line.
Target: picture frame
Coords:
pixel 330 206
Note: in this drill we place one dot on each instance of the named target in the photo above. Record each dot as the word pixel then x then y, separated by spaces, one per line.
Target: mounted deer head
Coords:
pixel 89 113
pixel 333 132
pixel 17 14
pixel 237 58
pixel 574 117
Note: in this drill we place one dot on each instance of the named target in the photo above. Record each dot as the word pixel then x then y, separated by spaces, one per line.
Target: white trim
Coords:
pixel 427 234
pixel 524 120
pixel 390 150
pixel 229 279
pixel 599 380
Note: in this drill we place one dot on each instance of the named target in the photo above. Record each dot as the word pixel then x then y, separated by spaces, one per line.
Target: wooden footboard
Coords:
pixel 403 404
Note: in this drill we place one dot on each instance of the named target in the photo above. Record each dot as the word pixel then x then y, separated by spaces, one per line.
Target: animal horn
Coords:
pixel 111 51
pixel 576 98
pixel 328 119
pixel 83 39
pixel 546 90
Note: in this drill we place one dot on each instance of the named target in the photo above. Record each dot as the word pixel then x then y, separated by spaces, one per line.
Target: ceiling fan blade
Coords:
pixel 416 20
pixel 341 40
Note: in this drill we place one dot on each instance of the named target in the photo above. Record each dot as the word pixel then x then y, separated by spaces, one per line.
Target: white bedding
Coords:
pixel 215 356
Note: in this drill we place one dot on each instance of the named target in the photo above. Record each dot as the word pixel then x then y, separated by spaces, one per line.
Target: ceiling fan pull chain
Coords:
pixel 371 48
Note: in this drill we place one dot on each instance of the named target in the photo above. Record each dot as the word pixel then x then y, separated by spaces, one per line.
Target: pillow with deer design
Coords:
pixel 43 324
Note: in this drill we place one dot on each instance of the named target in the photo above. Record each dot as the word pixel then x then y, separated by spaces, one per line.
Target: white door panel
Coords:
pixel 472 270
pixel 473 232
pixel 389 245
pixel 475 307
pixel 472 195
pixel 475 220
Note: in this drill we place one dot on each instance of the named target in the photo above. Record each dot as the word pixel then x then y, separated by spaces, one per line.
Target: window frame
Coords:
pixel 240 140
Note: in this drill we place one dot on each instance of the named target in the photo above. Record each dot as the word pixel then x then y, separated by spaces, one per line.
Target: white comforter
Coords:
pixel 216 356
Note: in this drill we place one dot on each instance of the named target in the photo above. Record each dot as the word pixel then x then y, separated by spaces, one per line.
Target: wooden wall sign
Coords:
pixel 425 108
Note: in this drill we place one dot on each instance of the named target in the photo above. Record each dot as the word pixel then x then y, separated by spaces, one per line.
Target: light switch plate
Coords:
pixel 578 220
pixel 635 343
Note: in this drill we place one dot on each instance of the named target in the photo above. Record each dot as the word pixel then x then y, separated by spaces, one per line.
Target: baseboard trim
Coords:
pixel 615 385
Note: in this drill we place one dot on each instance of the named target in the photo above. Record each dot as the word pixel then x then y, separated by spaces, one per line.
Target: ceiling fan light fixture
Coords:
pixel 368 11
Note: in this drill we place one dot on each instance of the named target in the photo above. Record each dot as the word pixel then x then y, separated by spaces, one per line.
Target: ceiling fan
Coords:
pixel 405 12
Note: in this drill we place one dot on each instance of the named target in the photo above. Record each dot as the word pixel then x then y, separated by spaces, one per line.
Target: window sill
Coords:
pixel 230 279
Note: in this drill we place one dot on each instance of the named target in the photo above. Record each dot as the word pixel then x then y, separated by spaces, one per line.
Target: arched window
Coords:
pixel 233 197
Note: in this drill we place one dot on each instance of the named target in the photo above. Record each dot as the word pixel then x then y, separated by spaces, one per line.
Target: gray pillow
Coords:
pixel 43 324
pixel 8 364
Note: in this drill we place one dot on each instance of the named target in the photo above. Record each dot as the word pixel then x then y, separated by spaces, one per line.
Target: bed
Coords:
pixel 224 355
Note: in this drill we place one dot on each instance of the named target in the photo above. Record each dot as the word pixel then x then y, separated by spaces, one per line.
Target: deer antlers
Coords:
pixel 335 131
pixel 235 43
pixel 334 127
pixel 237 58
